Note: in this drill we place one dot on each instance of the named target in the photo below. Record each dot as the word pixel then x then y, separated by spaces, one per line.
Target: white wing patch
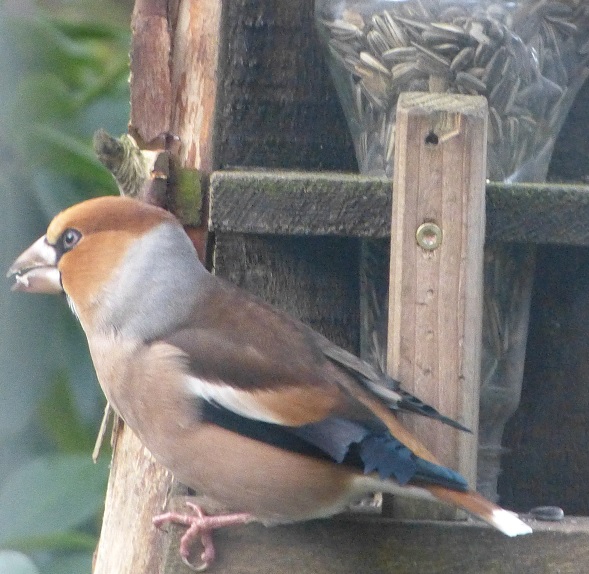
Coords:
pixel 384 392
pixel 241 402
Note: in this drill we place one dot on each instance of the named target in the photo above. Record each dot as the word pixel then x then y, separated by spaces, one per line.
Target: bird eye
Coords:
pixel 69 238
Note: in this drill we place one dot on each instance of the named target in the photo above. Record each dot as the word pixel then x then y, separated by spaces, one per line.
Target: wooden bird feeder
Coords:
pixel 243 84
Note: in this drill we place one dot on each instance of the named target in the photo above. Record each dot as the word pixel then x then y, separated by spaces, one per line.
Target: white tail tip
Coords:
pixel 509 523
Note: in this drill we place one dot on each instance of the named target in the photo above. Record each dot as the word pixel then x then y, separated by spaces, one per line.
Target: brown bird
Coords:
pixel 242 402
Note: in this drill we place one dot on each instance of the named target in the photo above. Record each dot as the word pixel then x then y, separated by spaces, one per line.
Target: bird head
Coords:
pixel 114 257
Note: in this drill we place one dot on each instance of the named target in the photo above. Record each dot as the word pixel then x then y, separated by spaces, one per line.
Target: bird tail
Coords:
pixel 501 519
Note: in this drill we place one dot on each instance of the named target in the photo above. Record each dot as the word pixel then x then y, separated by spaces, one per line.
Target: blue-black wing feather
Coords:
pixel 343 441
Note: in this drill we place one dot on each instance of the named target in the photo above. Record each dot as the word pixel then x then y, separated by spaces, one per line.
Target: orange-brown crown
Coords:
pixel 107 226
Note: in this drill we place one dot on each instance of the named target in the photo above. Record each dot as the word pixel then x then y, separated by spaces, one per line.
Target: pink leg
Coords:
pixel 200 525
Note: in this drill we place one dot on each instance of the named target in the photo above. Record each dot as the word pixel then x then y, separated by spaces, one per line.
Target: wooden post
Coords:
pixel 174 71
pixel 437 238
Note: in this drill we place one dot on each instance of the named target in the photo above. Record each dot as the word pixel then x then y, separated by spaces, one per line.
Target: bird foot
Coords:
pixel 200 526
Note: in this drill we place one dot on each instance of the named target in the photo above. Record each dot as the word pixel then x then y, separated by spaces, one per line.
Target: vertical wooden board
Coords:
pixel 174 70
pixel 151 101
pixel 313 279
pixel 196 67
pixel 137 484
pixel 279 106
pixel 137 489
pixel 435 300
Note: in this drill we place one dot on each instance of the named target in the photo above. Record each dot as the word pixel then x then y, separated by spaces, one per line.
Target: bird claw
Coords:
pixel 199 526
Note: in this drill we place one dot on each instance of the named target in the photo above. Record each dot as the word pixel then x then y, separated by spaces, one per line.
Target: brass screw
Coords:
pixel 429 236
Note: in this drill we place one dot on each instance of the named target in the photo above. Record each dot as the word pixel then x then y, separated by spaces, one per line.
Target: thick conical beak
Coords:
pixel 35 270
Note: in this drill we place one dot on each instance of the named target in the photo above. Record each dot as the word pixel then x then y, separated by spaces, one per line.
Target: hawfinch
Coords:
pixel 242 402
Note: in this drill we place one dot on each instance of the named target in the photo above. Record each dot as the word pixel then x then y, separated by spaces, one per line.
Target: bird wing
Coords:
pixel 385 387
pixel 260 362
pixel 272 378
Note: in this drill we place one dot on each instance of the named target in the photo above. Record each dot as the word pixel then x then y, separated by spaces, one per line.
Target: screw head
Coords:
pixel 429 236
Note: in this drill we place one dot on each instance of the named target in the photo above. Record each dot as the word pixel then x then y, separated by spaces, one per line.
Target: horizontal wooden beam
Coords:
pixel 299 203
pixel 381 546
pixel 332 203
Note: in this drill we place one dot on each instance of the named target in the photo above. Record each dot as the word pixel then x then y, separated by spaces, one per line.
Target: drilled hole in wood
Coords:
pixel 431 138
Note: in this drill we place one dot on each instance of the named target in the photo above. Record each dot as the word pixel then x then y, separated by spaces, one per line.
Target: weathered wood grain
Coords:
pixel 313 279
pixel 318 203
pixel 137 490
pixel 435 295
pixel 196 67
pixel 151 88
pixel 279 107
pixel 299 203
pixel 383 546
pixel 546 459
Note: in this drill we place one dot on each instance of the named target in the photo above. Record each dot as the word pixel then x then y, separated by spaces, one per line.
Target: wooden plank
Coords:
pixel 531 213
pixel 298 203
pixel 280 108
pixel 436 283
pixel 151 89
pixel 307 203
pixel 137 490
pixel 174 72
pixel 546 459
pixel 307 277
pixel 138 486
pixel 195 69
pixel 381 546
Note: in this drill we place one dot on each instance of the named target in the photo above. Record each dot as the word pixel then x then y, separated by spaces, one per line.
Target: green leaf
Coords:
pixel 91 30
pixel 42 46
pixel 67 155
pixel 12 562
pixel 61 419
pixel 73 541
pixel 49 496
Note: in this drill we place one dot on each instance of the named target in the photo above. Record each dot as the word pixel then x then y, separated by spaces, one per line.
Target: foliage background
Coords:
pixel 64 71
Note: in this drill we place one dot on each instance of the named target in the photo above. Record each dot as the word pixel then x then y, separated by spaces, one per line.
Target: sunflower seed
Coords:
pixel 436 60
pixel 399 54
pixel 377 42
pixel 549 513
pixel 462 59
pixel 343 30
pixel 477 73
pixel 404 72
pixel 452 31
pixel 495 30
pixel 447 49
pixel 395 31
pixel 495 65
pixel 556 9
pixel 470 82
pixel 567 27
pixel 373 63
pixel 496 125
pixel 414 24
